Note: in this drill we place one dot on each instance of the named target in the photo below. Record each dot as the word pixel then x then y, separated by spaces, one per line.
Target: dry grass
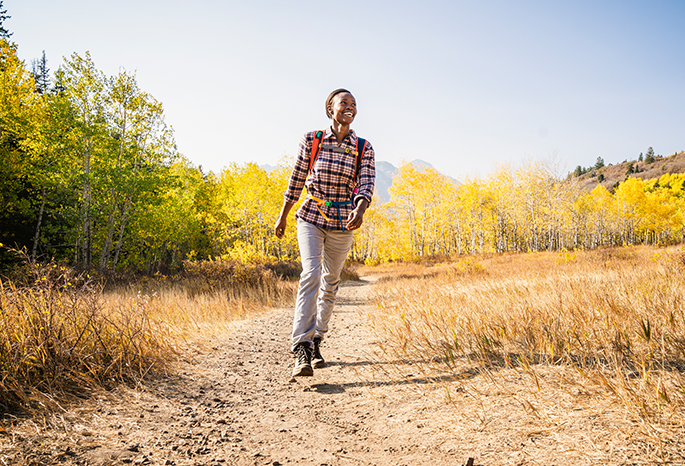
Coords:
pixel 211 296
pixel 592 341
pixel 58 340
pixel 62 335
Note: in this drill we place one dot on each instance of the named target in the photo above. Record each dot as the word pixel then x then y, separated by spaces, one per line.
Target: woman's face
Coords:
pixel 343 108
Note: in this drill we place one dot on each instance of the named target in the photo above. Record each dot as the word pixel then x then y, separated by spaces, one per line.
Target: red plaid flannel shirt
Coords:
pixel 332 179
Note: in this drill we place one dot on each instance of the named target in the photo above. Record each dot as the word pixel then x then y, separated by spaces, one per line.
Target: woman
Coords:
pixel 339 189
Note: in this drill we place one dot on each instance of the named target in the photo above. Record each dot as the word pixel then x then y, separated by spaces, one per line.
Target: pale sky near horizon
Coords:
pixel 464 85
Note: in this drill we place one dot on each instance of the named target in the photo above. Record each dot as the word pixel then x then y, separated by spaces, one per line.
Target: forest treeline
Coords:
pixel 90 175
pixel 517 210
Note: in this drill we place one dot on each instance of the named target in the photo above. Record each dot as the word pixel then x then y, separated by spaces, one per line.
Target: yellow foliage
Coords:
pixel 525 209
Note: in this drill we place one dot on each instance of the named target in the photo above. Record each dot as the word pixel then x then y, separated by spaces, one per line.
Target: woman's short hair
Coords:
pixel 329 100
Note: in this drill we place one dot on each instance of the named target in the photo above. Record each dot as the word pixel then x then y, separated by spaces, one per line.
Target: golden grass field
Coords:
pixel 584 347
pixel 587 340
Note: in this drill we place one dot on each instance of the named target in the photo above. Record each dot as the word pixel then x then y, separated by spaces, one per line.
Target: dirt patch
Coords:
pixel 238 405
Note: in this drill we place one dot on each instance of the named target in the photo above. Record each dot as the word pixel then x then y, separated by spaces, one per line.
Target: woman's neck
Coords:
pixel 341 131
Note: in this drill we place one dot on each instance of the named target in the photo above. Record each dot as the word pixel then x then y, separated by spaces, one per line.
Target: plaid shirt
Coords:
pixel 332 179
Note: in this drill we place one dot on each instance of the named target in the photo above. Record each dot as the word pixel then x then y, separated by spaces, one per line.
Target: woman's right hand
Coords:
pixel 279 227
pixel 282 222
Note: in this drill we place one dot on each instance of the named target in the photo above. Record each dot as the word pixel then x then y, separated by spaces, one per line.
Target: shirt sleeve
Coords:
pixel 300 171
pixel 367 175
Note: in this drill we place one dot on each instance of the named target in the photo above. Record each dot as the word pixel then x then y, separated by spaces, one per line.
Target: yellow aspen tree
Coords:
pixel 365 247
pixel 504 227
pixel 663 219
pixel 629 198
pixel 475 201
pixel 404 210
pixel 601 202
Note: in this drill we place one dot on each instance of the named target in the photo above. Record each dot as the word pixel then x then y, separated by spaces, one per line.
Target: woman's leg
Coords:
pixel 335 248
pixel 311 241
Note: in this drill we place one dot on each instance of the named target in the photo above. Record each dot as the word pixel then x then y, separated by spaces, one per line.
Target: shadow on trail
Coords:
pixel 352 364
pixel 360 282
pixel 349 302
pixel 336 388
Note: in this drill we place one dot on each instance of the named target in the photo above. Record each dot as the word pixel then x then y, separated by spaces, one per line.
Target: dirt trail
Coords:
pixel 238 405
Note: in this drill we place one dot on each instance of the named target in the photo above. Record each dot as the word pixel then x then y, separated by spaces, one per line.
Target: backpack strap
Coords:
pixel 316 148
pixel 358 159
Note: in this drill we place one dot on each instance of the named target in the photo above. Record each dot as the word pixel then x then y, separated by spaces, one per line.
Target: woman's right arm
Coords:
pixel 282 222
pixel 295 185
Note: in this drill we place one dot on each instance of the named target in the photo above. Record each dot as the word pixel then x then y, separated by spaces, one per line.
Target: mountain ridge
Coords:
pixel 609 176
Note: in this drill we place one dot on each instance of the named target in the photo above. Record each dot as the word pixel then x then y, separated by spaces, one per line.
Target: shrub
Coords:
pixel 57 339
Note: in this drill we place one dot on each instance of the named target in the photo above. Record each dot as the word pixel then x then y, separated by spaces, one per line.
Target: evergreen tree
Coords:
pixel 4 33
pixel 649 156
pixel 41 74
pixel 640 158
pixel 600 163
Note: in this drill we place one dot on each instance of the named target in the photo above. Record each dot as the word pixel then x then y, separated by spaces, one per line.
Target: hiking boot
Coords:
pixel 303 361
pixel 317 359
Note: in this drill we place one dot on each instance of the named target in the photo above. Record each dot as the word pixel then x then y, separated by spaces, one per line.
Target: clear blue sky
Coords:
pixel 464 85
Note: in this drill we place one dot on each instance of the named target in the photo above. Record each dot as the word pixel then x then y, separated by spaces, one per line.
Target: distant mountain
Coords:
pixel 385 172
pixel 268 168
pixel 421 163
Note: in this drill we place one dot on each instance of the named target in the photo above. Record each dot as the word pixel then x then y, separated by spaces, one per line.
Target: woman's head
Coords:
pixel 334 96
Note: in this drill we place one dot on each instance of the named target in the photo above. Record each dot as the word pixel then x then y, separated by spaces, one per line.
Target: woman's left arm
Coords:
pixel 367 181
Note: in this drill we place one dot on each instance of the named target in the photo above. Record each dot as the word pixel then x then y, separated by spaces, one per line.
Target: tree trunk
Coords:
pixel 122 227
pixel 86 246
pixel 40 220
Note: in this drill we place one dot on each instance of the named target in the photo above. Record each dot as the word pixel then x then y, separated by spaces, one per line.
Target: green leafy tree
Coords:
pixel 19 110
pixel 53 174
pixel 84 88
pixel 134 160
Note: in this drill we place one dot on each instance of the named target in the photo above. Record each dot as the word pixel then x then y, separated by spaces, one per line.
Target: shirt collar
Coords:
pixel 351 138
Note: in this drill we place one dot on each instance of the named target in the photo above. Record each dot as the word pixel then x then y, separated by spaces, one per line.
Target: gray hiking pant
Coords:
pixel 323 254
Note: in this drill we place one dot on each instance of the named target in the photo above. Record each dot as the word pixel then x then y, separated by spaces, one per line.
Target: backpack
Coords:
pixel 316 148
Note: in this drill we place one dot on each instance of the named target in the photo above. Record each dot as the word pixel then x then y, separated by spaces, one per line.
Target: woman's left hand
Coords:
pixel 356 218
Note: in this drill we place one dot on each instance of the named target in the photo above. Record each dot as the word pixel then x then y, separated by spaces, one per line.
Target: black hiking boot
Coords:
pixel 317 360
pixel 303 361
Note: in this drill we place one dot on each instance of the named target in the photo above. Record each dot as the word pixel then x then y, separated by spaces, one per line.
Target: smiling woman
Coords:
pixel 338 170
